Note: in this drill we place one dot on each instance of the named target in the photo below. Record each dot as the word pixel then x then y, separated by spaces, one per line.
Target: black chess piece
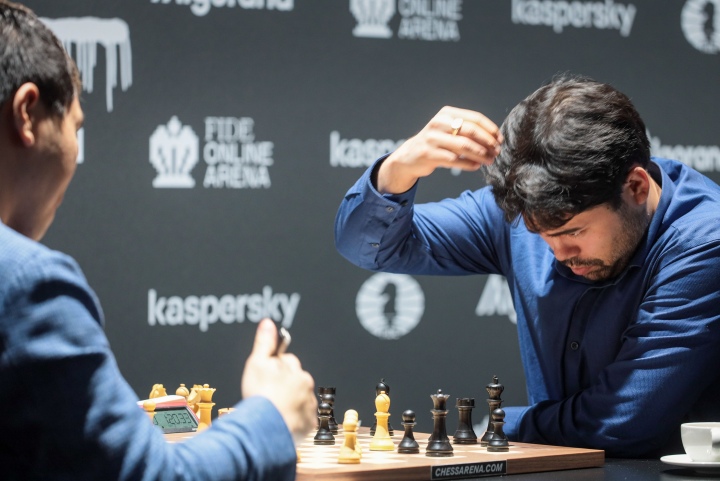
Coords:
pixel 438 442
pixel 498 442
pixel 465 433
pixel 494 390
pixel 324 435
pixel 381 386
pixel 327 394
pixel 408 445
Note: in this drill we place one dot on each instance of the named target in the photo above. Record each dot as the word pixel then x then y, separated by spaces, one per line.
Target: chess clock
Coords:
pixel 171 414
pixel 175 419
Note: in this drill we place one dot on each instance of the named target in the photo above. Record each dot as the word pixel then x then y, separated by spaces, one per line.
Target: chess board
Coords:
pixel 468 460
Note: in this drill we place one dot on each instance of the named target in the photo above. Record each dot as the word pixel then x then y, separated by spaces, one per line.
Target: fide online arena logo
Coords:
pixel 427 20
pixel 174 153
pixel 700 21
pixel 389 306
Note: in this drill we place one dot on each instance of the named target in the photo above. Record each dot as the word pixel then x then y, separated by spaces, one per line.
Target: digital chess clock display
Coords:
pixel 175 420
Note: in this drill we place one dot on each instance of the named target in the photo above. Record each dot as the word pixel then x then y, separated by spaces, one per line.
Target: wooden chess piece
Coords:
pixel 408 445
pixel 379 387
pixel 382 441
pixel 327 394
pixel 498 443
pixel 438 442
pixel 494 390
pixel 205 406
pixel 465 433
pixel 348 452
pixel 324 436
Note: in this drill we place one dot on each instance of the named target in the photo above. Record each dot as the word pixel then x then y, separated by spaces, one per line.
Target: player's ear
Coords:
pixel 25 106
pixel 637 185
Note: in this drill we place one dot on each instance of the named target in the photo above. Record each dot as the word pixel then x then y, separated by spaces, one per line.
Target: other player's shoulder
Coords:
pixel 24 261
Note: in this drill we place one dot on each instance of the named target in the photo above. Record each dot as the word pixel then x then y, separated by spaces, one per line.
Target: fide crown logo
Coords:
pixel 372 17
pixel 173 153
pixel 700 21
pixel 389 306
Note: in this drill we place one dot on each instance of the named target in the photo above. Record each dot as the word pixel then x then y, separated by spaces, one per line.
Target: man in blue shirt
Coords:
pixel 612 258
pixel 67 413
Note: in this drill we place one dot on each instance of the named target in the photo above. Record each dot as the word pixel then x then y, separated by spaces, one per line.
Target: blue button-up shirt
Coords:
pixel 615 365
pixel 67 412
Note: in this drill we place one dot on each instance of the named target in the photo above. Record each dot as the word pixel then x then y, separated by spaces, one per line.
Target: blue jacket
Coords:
pixel 615 365
pixel 67 413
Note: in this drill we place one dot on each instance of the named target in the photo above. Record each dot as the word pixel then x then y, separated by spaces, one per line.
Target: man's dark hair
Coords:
pixel 568 147
pixel 30 52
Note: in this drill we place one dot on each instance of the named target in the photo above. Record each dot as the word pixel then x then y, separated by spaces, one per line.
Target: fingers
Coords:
pixel 266 338
pixel 469 138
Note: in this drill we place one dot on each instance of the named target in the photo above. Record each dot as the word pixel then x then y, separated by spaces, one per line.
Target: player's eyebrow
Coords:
pixel 571 230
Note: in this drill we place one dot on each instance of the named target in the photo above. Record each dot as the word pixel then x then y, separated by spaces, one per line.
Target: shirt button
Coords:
pixel 374 244
pixel 574 345
pixel 404 203
pixel 389 209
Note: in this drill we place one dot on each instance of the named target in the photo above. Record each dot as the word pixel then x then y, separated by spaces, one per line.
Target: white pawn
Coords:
pixel 350 451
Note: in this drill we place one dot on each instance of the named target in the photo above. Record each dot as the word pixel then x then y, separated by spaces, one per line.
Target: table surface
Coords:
pixel 622 469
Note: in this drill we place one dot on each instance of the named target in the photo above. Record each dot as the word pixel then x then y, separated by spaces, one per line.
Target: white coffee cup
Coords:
pixel 701 441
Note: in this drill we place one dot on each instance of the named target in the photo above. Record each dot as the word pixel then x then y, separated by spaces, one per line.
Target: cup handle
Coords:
pixel 715 438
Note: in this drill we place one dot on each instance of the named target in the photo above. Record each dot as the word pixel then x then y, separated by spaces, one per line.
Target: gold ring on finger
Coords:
pixel 456 125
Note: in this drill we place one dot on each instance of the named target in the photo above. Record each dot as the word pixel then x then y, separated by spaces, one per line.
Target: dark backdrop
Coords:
pixel 221 136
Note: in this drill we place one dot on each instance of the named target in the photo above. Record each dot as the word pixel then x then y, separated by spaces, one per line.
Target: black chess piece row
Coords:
pixel 438 444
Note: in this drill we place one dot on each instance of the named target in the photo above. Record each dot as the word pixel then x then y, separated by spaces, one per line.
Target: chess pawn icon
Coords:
pixel 205 406
pixel 408 445
pixel 382 441
pixel 349 453
pixel 438 442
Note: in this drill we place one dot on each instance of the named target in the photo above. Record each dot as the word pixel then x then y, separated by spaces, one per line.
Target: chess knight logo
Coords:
pixel 390 305
pixel 173 153
pixel 700 20
pixel 372 17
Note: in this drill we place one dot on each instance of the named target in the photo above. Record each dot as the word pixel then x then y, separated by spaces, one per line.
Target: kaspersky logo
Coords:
pixel 390 305
pixel 419 19
pixel 700 21
pixel 205 311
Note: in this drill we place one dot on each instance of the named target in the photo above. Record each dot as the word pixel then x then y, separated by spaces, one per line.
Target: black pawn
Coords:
pixel 494 390
pixel 408 445
pixel 465 433
pixel 324 435
pixel 438 442
pixel 498 442
pixel 380 387
pixel 327 394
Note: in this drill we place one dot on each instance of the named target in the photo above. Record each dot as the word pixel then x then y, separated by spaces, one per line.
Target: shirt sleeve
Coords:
pixel 665 373
pixel 73 416
pixel 391 233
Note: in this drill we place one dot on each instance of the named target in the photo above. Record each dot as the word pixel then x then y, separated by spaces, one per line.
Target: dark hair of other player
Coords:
pixel 568 147
pixel 29 52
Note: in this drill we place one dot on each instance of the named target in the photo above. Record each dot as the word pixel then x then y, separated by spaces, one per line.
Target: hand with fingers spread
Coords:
pixel 280 378
pixel 455 137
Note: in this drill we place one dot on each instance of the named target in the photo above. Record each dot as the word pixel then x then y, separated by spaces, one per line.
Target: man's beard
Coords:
pixel 634 225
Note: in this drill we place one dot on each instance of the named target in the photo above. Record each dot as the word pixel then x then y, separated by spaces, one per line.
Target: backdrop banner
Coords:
pixel 221 135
